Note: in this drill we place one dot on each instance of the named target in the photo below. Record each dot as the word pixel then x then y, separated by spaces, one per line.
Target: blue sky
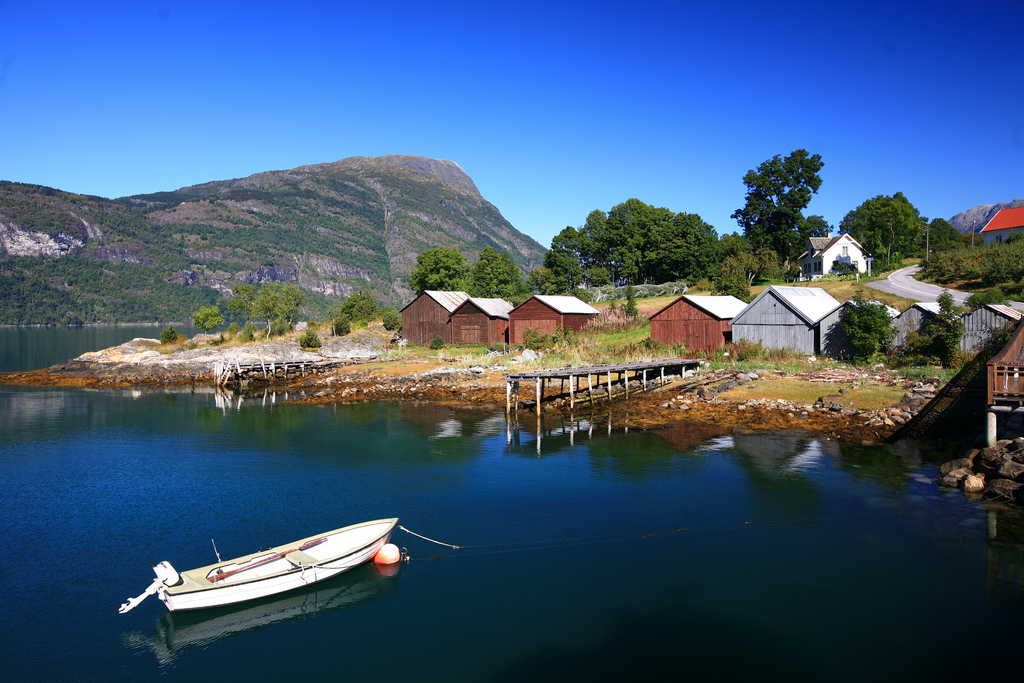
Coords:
pixel 554 109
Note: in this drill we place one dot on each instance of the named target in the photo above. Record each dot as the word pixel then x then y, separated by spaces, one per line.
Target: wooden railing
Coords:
pixel 1005 371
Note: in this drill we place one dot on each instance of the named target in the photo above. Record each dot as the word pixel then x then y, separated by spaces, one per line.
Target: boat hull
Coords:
pixel 280 569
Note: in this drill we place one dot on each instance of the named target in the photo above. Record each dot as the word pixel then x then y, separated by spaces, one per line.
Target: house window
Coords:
pixel 855 266
pixel 817 266
pixel 846 251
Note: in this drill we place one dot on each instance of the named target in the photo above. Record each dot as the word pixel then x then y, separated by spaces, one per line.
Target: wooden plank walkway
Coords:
pixel 235 372
pixel 573 375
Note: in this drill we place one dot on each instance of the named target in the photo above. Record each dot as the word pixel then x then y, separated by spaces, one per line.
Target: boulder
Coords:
pixel 991 453
pixel 953 478
pixel 959 463
pixel 1011 470
pixel 1001 487
pixel 973 483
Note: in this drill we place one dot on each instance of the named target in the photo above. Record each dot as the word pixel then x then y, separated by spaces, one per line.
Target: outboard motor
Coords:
pixel 166 574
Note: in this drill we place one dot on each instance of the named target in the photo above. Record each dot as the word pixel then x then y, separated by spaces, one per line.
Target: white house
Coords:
pixel 824 252
pixel 1003 224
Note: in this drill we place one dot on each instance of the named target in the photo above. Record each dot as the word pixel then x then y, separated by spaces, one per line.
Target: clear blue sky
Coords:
pixel 554 108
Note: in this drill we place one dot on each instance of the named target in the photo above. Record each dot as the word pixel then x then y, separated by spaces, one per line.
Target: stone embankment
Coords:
pixel 995 472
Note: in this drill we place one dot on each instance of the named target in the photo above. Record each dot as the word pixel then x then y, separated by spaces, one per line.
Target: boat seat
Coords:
pixel 299 557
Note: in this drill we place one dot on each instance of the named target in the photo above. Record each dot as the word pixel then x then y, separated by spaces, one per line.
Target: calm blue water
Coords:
pixel 32 348
pixel 593 554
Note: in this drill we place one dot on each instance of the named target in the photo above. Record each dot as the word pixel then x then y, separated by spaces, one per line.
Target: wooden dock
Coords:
pixel 574 376
pixel 245 372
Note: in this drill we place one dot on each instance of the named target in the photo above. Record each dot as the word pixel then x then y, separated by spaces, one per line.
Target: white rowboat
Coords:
pixel 288 566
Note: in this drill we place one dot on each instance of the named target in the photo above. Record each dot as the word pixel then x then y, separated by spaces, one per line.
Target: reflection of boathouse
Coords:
pixel 1004 584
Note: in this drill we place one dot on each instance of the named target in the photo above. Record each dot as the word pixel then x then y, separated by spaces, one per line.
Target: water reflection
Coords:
pixel 1004 583
pixel 177 632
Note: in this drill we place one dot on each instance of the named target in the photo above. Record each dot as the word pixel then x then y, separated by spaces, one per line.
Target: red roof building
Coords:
pixel 1004 224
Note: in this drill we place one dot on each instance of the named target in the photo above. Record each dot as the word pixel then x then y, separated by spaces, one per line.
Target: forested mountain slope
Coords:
pixel 328 228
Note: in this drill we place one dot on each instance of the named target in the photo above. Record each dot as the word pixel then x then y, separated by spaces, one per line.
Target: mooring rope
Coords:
pixel 456 547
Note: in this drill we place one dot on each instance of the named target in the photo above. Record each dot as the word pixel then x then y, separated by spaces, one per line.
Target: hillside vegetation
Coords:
pixel 328 228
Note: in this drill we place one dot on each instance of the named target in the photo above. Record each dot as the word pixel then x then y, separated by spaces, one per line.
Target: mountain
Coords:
pixel 979 216
pixel 328 228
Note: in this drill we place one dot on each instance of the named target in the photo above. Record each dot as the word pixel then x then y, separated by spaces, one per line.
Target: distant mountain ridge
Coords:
pixel 976 218
pixel 329 228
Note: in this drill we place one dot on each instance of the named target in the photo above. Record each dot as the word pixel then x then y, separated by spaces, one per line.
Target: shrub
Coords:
pixel 309 340
pixel 391 319
pixel 233 330
pixel 340 324
pixel 869 328
pixel 946 330
pixel 436 343
pixel 992 296
pixel 169 335
pixel 842 268
pixel 248 333
pixel 629 309
pixel 280 327
pixel 536 340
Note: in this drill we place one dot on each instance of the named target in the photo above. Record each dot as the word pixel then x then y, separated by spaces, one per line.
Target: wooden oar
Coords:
pixel 263 560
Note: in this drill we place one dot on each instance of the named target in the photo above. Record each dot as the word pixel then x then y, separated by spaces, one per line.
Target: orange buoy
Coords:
pixel 389 554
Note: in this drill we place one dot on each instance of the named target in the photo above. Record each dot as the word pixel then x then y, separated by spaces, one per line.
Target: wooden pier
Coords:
pixel 244 372
pixel 1004 383
pixel 575 375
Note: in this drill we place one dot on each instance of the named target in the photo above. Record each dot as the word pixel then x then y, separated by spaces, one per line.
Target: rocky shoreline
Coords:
pixel 994 472
pixel 339 376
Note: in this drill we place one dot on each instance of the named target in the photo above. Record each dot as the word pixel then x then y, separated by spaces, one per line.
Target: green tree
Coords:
pixel 887 227
pixel 442 268
pixel 689 249
pixel 942 236
pixel 732 280
pixel 777 193
pixel 360 306
pixel 390 318
pixel 946 329
pixel 277 302
pixel 634 232
pixel 169 335
pixel 563 263
pixel 542 281
pixel 496 275
pixel 869 327
pixel 207 318
pixel 243 301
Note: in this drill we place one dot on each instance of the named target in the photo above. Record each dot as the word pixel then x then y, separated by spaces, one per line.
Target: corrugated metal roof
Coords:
pixel 1006 310
pixel 722 307
pixel 566 304
pixel 813 303
pixel 496 308
pixel 930 306
pixel 450 300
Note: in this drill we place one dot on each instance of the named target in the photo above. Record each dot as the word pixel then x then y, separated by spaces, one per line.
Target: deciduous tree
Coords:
pixel 564 262
pixel 888 227
pixel 442 268
pixel 689 249
pixel 777 193
pixel 207 318
pixel 496 275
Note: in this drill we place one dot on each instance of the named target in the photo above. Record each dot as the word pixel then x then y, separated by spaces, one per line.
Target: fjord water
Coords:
pixel 592 551
pixel 33 348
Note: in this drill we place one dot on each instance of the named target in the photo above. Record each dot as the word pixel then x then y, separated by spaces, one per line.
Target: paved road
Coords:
pixel 902 283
